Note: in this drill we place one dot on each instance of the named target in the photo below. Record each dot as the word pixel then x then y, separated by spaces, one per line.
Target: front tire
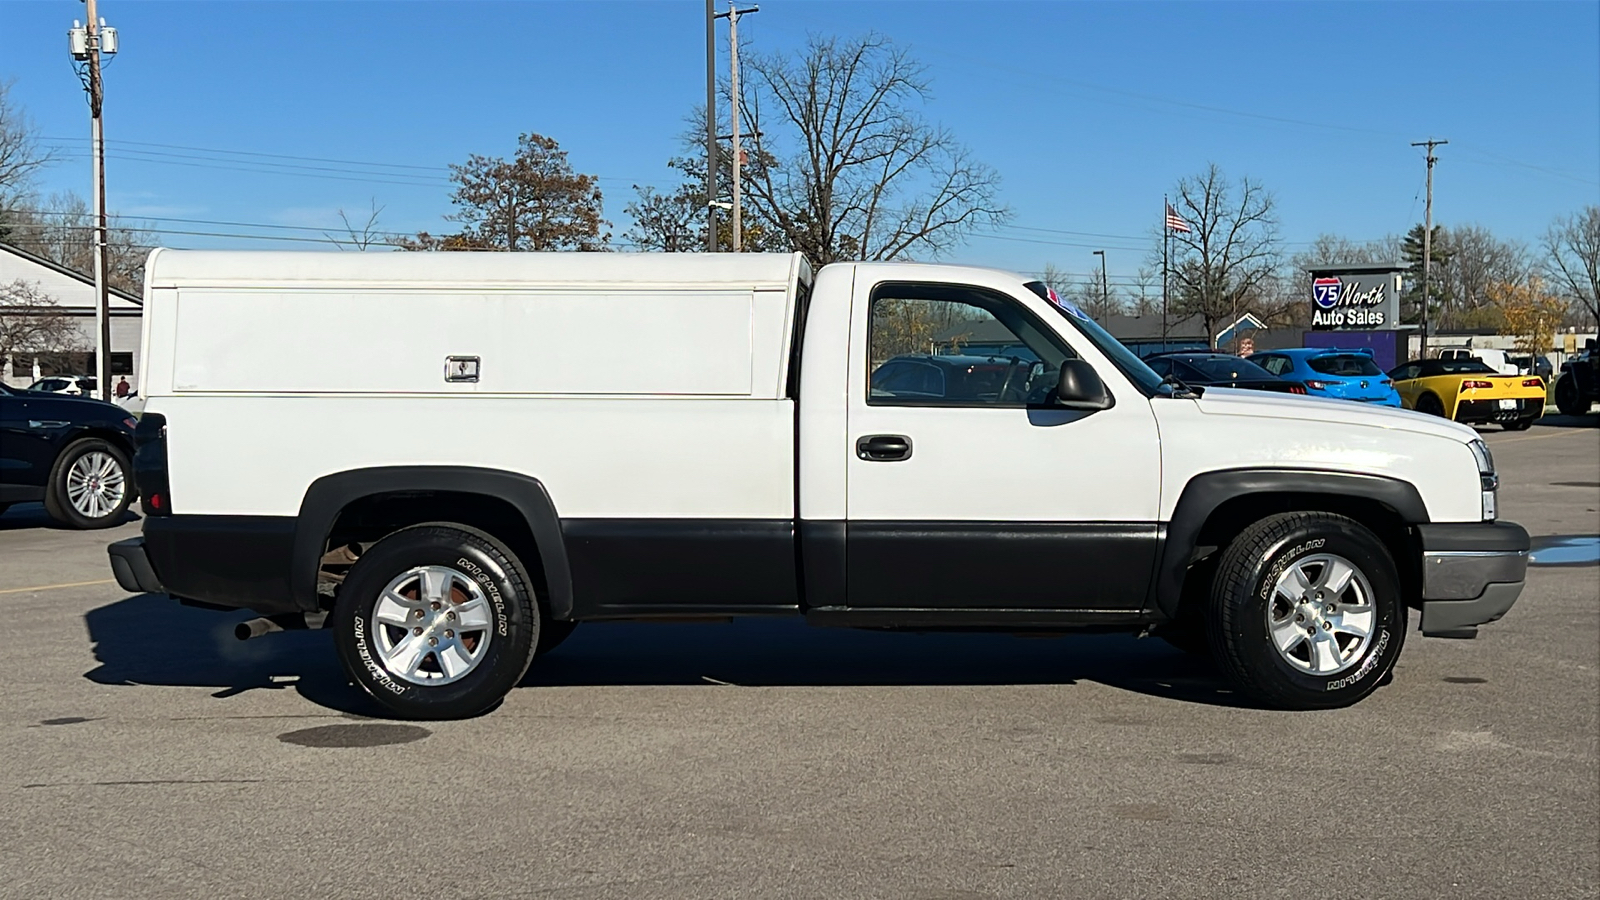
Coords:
pixel 1430 404
pixel 89 485
pixel 436 623
pixel 1306 611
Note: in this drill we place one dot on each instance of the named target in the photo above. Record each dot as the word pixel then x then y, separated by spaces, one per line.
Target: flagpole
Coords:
pixel 1166 241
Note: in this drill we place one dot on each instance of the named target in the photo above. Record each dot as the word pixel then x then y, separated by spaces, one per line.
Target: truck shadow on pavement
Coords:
pixel 32 515
pixel 149 639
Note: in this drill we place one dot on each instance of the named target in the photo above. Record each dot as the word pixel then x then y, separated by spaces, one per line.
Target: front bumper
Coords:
pixel 1471 574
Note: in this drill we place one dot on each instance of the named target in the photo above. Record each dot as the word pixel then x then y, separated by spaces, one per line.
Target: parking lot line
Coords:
pixel 51 587
pixel 1540 437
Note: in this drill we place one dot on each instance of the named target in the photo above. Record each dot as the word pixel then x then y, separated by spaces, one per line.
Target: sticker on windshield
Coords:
pixel 1067 305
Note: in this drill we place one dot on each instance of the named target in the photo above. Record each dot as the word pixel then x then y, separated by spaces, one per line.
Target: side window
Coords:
pixel 1404 373
pixel 1160 365
pixel 945 345
pixel 1277 365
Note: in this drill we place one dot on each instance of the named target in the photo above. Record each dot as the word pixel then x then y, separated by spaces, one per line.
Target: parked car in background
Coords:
pixel 76 385
pixel 1470 392
pixel 1219 370
pixel 1579 385
pixel 991 379
pixel 70 452
pixel 1533 365
pixel 1494 359
pixel 1341 374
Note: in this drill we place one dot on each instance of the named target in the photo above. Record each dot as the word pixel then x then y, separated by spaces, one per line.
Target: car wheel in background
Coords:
pixel 1306 611
pixel 436 622
pixel 1568 398
pixel 1429 403
pixel 89 485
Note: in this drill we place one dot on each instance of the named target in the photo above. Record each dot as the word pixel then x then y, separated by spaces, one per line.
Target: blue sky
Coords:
pixel 1090 111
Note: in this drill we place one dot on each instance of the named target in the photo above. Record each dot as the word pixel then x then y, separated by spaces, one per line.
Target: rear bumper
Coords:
pixel 1483 411
pixel 1472 573
pixel 131 566
pixel 235 562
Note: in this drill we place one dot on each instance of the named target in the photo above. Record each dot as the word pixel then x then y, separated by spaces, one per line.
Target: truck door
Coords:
pixel 971 491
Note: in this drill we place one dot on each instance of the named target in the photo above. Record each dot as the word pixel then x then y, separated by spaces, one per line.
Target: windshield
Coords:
pixel 1344 364
pixel 1126 361
pixel 1225 368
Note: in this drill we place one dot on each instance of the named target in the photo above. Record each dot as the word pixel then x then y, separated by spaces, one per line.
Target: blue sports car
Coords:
pixel 1326 372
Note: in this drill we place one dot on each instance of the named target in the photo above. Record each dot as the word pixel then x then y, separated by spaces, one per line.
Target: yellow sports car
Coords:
pixel 1468 391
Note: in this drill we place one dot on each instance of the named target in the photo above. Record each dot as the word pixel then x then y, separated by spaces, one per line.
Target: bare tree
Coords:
pixel 1146 292
pixel 363 237
pixel 62 231
pixel 21 157
pixel 1572 260
pixel 845 166
pixel 671 223
pixel 1223 267
pixel 1477 261
pixel 31 323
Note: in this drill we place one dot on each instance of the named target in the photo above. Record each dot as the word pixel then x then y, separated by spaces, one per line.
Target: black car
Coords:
pixel 1219 370
pixel 71 452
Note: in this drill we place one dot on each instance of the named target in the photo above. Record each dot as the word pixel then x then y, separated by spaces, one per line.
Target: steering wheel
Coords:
pixel 1011 375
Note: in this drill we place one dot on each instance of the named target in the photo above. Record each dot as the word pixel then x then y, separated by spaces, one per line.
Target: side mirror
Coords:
pixel 1080 387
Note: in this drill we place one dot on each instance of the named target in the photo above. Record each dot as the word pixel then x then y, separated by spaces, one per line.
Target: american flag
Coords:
pixel 1175 222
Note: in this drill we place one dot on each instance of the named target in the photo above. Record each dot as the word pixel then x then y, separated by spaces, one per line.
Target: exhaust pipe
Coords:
pixel 265 625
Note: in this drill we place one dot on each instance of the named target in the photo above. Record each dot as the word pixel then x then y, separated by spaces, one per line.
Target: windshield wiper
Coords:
pixel 1179 389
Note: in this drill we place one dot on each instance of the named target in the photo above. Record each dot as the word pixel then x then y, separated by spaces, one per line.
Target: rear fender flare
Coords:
pixel 330 494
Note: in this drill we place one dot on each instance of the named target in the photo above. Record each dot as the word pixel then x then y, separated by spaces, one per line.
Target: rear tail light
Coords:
pixel 1317 385
pixel 1472 383
pixel 1532 382
pixel 1386 382
pixel 1296 389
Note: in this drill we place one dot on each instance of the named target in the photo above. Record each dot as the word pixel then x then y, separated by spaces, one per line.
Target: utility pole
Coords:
pixel 86 44
pixel 732 15
pixel 1105 287
pixel 1427 240
pixel 711 127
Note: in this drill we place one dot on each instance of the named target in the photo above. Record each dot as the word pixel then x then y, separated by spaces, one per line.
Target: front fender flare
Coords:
pixel 1209 490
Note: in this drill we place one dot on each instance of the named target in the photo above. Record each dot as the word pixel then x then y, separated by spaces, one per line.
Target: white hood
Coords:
pixel 1265 404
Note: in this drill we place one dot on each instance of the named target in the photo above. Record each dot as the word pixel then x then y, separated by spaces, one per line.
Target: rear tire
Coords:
pixel 1430 404
pixel 1569 399
pixel 89 485
pixel 441 581
pixel 1306 611
pixel 1519 425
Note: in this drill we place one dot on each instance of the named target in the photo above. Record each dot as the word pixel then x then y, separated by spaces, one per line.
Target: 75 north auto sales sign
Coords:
pixel 1355 300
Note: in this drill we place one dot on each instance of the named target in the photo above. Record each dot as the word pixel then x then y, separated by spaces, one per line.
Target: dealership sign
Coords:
pixel 1362 298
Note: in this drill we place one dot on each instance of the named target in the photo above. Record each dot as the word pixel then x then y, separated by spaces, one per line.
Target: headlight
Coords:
pixel 1488 482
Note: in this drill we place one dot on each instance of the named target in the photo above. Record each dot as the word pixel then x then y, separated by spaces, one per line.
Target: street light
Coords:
pixel 1105 285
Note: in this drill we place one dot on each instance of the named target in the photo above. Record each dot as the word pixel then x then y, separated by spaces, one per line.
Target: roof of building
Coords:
pixel 68 287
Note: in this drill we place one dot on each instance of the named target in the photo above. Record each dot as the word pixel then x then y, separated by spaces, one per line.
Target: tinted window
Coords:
pixel 936 323
pixel 1352 364
pixel 1160 365
pixel 1223 368
pixel 1405 372
pixel 1277 365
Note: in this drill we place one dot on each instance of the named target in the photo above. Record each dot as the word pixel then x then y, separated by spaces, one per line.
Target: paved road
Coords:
pixel 151 755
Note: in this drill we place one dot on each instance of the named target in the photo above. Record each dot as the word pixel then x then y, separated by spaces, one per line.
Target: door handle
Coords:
pixel 884 448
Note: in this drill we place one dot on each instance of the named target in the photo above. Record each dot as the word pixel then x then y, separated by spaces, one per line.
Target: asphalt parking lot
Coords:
pixel 152 755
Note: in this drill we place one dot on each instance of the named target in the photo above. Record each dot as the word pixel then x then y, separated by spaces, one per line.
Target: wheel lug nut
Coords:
pixel 419 614
pixel 1328 625
pixel 433 642
pixel 435 604
pixel 1299 617
pixel 450 615
pixel 417 630
pixel 448 633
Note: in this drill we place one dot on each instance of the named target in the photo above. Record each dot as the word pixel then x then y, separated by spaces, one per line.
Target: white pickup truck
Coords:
pixel 452 459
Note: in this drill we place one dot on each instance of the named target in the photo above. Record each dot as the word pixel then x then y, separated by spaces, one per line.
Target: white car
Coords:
pixel 76 385
pixel 473 452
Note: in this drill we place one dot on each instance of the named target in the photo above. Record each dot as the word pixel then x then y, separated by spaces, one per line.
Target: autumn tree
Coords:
pixel 1225 265
pixel 31 323
pixel 675 221
pixel 1572 260
pixel 845 166
pixel 1529 311
pixel 533 201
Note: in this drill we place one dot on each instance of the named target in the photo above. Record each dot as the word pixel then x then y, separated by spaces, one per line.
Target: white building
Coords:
pixel 73 292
